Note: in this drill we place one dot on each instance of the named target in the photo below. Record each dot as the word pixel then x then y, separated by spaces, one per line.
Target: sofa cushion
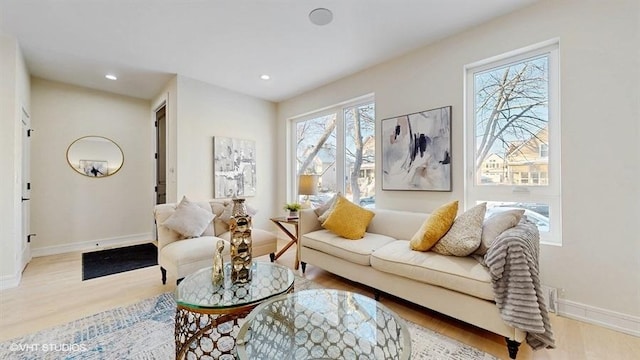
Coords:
pixel 465 234
pixel 348 219
pixel 434 227
pixel 398 224
pixel 495 225
pixel 189 219
pixel 355 251
pixel 463 274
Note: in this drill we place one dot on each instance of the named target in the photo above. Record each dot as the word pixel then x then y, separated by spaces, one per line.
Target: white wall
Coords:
pixel 205 111
pixel 14 96
pixel 598 266
pixel 71 211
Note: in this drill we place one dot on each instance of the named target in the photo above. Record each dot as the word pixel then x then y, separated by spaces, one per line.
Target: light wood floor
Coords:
pixel 52 292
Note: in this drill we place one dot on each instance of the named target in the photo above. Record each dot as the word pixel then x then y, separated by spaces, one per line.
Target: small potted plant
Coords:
pixel 293 209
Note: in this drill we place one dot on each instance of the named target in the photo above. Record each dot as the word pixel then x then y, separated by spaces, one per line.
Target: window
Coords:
pixel 512 120
pixel 337 145
pixel 544 150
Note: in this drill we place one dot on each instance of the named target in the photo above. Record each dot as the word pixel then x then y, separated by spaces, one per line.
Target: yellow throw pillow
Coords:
pixel 348 219
pixel 435 227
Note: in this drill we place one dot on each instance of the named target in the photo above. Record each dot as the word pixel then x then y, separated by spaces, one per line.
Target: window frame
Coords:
pixel 340 133
pixel 529 193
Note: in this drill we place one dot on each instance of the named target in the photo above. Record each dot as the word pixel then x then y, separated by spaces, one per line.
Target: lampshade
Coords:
pixel 308 184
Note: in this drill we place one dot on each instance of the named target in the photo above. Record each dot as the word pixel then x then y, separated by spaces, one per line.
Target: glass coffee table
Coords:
pixel 323 324
pixel 208 317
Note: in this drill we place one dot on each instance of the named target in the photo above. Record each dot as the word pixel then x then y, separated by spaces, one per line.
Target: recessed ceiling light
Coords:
pixel 321 16
pixel 111 77
pixel 265 77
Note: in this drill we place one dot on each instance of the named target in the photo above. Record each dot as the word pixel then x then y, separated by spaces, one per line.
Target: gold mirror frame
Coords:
pixel 95 156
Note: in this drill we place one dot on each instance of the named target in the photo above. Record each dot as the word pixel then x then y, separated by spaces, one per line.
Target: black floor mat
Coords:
pixel 112 261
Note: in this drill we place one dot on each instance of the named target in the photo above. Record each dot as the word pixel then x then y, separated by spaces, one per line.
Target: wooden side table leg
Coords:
pixel 297 241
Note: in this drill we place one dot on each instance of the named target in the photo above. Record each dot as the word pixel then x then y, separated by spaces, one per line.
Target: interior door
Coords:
pixel 161 155
pixel 25 238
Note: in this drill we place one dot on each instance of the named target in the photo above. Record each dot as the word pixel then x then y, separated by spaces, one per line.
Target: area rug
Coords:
pixel 112 261
pixel 145 331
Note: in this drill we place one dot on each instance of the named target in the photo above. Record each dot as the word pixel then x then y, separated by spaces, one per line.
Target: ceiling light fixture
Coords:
pixel 265 77
pixel 111 77
pixel 321 16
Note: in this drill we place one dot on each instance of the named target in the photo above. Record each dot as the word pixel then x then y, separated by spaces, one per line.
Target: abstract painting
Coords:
pixel 416 151
pixel 234 167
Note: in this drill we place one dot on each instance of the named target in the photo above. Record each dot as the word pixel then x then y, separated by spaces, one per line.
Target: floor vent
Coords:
pixel 550 298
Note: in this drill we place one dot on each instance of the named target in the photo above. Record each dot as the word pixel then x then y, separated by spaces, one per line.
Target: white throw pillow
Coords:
pixel 189 219
pixel 326 209
pixel 465 234
pixel 495 225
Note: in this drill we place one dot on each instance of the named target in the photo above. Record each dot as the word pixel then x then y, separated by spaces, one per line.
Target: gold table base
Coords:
pixel 212 334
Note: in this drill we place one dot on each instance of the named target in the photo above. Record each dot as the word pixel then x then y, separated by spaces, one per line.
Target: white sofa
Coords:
pixel 456 286
pixel 181 257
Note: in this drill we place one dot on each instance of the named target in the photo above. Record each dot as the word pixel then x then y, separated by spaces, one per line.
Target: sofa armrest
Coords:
pixel 307 222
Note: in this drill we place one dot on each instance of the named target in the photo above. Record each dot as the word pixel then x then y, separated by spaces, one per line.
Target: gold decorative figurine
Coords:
pixel 217 275
pixel 240 228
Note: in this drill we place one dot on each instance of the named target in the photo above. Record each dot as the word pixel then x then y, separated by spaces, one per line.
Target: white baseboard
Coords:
pixel 99 244
pixel 625 323
pixel 10 281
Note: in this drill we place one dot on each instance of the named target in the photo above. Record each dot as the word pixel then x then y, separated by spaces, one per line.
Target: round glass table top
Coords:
pixel 197 291
pixel 323 324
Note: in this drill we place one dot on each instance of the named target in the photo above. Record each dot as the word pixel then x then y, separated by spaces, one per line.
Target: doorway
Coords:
pixel 25 238
pixel 161 154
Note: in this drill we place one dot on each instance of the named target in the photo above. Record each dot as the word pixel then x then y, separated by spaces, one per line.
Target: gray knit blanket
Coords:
pixel 512 260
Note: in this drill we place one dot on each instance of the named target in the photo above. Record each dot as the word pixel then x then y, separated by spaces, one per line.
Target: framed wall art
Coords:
pixel 234 167
pixel 416 151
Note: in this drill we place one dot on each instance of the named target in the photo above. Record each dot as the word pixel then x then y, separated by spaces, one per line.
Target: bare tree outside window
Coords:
pixel 511 120
pixel 312 137
pixel 360 151
pixel 317 153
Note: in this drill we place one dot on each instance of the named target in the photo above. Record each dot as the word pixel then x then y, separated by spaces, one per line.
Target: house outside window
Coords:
pixel 512 119
pixel 337 145
pixel 544 150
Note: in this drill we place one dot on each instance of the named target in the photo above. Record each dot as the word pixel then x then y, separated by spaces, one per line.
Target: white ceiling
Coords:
pixel 229 43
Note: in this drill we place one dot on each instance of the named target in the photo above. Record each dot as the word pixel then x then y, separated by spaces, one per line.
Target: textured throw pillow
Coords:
pixel 495 225
pixel 324 206
pixel 434 227
pixel 189 219
pixel 325 210
pixel 465 234
pixel 348 219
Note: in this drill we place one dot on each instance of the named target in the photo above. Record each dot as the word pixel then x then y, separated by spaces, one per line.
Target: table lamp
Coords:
pixel 307 185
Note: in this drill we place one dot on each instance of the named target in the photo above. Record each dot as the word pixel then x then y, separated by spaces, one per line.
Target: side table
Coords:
pixel 280 221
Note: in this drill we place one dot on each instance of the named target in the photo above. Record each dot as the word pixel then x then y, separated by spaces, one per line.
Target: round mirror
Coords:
pixel 95 156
